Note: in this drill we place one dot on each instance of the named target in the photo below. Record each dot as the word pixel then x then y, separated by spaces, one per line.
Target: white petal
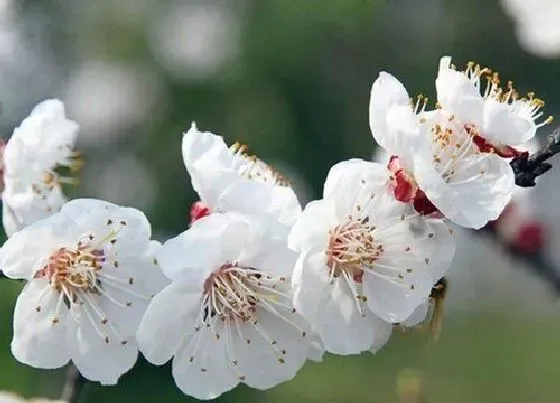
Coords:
pixel 386 92
pixel 418 316
pixel 316 348
pixel 381 334
pixel 101 217
pixel 310 281
pixel 10 220
pixel 97 359
pixel 197 144
pixel 439 248
pixel 26 251
pixel 169 317
pixel 311 230
pixel 404 129
pixel 23 206
pixel 458 94
pixel 478 193
pixel 211 242
pixel 274 257
pixel 37 340
pixel 508 124
pixel 343 328
pixel 266 199
pixel 394 300
pixel 202 368
pixel 270 352
pixel 351 185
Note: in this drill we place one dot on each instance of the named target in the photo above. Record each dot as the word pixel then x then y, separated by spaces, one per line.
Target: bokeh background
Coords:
pixel 291 79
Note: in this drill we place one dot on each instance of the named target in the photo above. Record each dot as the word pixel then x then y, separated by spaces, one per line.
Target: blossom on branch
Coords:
pixel 366 260
pixel 440 166
pixel 33 158
pixel 90 272
pixel 227 316
pixel 223 177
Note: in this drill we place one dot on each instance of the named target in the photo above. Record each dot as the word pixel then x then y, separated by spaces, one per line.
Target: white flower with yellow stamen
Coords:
pixel 365 260
pixel 38 148
pixel 498 114
pixel 227 316
pixel 224 177
pixel 90 272
pixel 441 155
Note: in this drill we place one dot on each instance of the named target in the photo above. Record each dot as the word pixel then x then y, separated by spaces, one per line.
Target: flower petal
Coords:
pixel 393 299
pixel 311 230
pixel 381 334
pixel 351 185
pixel 343 327
pixel 386 92
pixel 508 124
pixel 310 281
pixel 100 360
pixel 202 368
pixel 418 316
pixel 169 316
pixel 270 351
pixel 211 242
pixel 40 328
pixel 478 193
pixel 25 252
pixel 458 94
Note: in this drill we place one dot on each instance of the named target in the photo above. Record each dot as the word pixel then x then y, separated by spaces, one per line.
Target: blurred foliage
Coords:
pixel 297 93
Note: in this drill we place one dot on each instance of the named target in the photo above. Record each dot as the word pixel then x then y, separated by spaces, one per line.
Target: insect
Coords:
pixel 437 297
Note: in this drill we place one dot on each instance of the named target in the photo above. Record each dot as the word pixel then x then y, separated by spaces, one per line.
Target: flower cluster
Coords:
pixel 256 286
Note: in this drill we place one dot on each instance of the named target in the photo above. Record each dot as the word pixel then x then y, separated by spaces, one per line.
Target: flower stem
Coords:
pixel 528 167
pixel 73 386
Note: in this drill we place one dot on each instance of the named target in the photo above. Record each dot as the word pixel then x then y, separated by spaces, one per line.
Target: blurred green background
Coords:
pixel 291 79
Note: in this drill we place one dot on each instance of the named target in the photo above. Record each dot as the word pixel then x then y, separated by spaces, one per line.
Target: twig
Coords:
pixel 528 167
pixel 538 263
pixel 73 386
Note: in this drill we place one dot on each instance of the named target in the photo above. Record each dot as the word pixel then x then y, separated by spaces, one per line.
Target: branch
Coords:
pixel 73 386
pixel 537 262
pixel 527 168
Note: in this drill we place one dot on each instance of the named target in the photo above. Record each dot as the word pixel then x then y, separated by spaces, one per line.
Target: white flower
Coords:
pixel 90 274
pixel 497 114
pixel 223 177
pixel 227 316
pixel 42 143
pixel 537 25
pixel 439 161
pixel 365 260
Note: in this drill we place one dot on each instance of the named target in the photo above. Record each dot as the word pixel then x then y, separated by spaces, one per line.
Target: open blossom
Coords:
pixel 90 272
pixel 494 115
pixel 366 260
pixel 227 316
pixel 224 177
pixel 440 165
pixel 43 143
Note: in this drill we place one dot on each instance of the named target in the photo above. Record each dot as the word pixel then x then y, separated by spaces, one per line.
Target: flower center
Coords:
pixel 351 247
pixel 232 293
pixel 63 171
pixel 71 271
pixel 255 169
pixel 451 142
